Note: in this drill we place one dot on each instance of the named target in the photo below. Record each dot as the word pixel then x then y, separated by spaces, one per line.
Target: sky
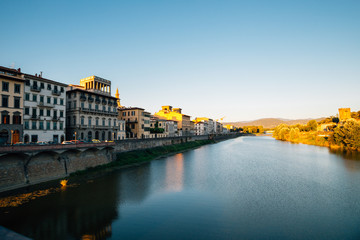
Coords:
pixel 242 60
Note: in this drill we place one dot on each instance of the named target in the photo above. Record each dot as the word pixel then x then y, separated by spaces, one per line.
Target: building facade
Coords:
pixel 44 110
pixel 137 122
pixel 175 114
pixel 92 111
pixel 11 107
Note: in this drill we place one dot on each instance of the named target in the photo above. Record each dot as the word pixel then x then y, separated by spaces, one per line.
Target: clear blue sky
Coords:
pixel 240 59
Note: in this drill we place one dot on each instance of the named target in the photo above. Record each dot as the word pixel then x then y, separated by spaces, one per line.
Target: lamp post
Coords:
pixel 11 136
pixel 75 138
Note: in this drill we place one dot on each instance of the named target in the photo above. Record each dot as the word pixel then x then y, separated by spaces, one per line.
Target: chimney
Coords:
pixel 40 74
pixel 35 74
pixel 19 70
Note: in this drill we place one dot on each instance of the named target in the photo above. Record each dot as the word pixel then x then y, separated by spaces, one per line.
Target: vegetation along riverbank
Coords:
pixel 341 132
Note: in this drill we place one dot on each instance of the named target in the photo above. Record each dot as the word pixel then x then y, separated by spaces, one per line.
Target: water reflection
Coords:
pixel 174 177
pixel 239 189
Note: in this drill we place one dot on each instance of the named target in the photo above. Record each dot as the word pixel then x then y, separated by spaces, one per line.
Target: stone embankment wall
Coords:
pixel 23 166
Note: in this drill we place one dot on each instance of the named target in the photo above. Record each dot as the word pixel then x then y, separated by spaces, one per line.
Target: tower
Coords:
pixel 117 95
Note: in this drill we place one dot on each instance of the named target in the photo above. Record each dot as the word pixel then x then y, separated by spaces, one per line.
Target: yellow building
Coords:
pixel 174 114
pixel 344 114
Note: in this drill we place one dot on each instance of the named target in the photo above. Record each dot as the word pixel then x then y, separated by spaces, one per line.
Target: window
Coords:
pixel 97 122
pixel 82 105
pixel 55 100
pixel 74 104
pixel 74 94
pixel 55 125
pixel 69 105
pixel 89 106
pixel 5 101
pixel 5 118
pixel 55 113
pixel 42 85
pixel 114 122
pixel 16 119
pixel 48 112
pixel 27 96
pixel 103 121
pixel 109 122
pixel 16 102
pixel 26 124
pixel 62 89
pixel 61 101
pixel 104 108
pixel 49 86
pixel 109 108
pixel 89 121
pixel 61 125
pixel 48 125
pixel 82 120
pixel 33 124
pixel 34 112
pixel 34 138
pixel 27 82
pixel 132 113
pixel 27 111
pixel 5 86
pixel 17 88
pixel 41 99
pixel 124 113
pixel 34 97
pixel 96 107
pixel 49 100
pixel 41 125
pixel 41 112
pixel 61 113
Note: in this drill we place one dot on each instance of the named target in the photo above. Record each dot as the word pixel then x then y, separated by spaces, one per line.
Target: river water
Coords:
pixel 243 188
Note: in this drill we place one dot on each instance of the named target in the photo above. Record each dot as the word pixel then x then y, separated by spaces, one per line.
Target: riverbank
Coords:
pixel 22 195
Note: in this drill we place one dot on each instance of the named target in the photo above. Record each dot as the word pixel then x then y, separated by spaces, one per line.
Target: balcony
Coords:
pixel 56 92
pixel 47 105
pixel 35 88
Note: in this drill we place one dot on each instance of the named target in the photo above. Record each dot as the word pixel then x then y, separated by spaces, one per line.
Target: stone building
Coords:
pixel 11 107
pixel 92 111
pixel 174 114
pixel 44 110
pixel 137 122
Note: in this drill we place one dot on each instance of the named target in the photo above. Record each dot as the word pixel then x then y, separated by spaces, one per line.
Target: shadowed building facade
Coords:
pixel 92 111
pixel 11 106
pixel 174 114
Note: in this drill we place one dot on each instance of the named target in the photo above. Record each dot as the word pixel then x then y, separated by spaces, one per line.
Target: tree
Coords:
pixel 312 124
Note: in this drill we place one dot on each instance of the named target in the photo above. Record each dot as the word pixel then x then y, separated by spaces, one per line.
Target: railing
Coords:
pixel 56 92
pixel 35 88
pixel 42 104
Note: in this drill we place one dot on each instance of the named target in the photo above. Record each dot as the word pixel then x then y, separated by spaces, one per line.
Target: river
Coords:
pixel 243 188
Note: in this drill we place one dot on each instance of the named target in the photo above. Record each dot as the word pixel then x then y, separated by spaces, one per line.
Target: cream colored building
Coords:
pixel 11 106
pixel 92 111
pixel 44 110
pixel 137 122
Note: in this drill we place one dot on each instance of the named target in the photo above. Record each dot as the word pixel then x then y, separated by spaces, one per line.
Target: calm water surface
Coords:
pixel 245 188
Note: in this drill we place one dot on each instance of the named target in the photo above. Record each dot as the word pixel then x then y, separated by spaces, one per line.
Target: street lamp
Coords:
pixel 75 137
pixel 11 137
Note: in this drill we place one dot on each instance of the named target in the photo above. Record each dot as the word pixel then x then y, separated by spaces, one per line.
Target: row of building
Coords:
pixel 36 109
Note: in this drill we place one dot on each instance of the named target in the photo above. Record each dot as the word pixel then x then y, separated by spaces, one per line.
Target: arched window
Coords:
pixel 97 121
pixel 109 122
pixel 103 121
pixel 89 121
pixel 82 120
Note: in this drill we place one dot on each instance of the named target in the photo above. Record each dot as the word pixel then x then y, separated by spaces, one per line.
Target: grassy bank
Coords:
pixel 145 155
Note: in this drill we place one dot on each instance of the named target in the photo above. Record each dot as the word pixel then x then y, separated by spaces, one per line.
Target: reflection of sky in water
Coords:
pixel 245 188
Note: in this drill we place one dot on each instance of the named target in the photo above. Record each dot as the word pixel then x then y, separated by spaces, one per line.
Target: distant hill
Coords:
pixel 271 122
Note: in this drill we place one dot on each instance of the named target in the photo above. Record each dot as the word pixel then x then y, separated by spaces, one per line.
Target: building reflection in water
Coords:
pixel 82 212
pixel 175 173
